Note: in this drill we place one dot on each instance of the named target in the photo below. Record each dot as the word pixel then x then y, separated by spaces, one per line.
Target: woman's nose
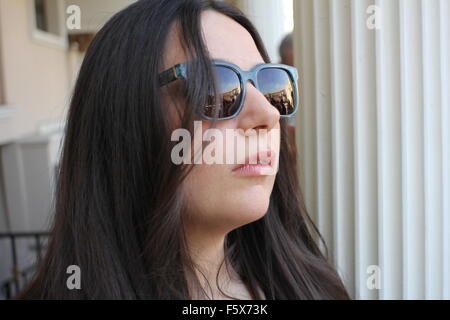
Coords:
pixel 257 112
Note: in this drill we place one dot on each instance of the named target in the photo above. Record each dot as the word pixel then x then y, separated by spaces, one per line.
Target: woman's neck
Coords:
pixel 215 274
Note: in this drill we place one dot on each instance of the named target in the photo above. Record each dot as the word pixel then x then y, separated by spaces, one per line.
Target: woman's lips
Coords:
pixel 254 170
pixel 258 164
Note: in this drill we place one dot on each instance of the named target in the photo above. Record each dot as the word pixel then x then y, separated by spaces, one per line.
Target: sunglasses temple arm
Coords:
pixel 167 76
pixel 171 74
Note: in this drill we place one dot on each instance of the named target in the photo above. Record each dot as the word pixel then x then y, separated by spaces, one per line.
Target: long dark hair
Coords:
pixel 119 204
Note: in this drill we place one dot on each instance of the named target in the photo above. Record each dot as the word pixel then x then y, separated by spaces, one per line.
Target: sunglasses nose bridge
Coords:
pixel 253 82
pixel 249 76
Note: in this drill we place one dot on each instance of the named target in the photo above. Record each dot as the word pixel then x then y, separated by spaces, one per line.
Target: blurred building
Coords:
pixel 39 61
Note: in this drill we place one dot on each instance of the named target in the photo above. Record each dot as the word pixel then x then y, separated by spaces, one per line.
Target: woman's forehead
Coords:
pixel 228 40
pixel 224 38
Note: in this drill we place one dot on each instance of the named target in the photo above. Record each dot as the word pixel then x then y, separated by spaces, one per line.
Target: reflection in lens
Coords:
pixel 277 87
pixel 229 94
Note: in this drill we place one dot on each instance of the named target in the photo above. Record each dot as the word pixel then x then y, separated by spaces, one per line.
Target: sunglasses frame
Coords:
pixel 179 71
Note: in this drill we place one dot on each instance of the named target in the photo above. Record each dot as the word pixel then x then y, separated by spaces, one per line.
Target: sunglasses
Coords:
pixel 277 82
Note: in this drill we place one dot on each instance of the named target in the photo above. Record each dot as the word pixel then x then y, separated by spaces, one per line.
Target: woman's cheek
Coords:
pixel 216 199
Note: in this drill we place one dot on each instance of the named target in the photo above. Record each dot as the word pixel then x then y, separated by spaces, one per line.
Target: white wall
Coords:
pixel 272 19
pixel 36 78
pixel 374 140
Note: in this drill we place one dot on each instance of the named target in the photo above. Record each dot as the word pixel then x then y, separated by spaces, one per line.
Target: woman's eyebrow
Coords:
pixel 229 61
pixel 223 59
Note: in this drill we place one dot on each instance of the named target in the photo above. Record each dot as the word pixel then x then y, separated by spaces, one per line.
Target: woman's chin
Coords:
pixel 247 212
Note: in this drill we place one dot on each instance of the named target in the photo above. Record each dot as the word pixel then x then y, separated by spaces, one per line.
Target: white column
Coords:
pixel 389 150
pixel 342 141
pixel 374 140
pixel 272 19
pixel 433 148
pixel 412 151
pixel 445 80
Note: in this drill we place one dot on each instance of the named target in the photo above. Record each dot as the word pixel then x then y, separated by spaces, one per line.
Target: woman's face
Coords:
pixel 218 197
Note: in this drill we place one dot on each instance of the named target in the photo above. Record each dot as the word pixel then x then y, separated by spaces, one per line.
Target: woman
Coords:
pixel 141 226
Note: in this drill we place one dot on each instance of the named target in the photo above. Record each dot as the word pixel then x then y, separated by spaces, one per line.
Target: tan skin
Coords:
pixel 223 202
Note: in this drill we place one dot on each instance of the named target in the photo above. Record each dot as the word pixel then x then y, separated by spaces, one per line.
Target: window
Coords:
pixel 47 16
pixel 47 20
